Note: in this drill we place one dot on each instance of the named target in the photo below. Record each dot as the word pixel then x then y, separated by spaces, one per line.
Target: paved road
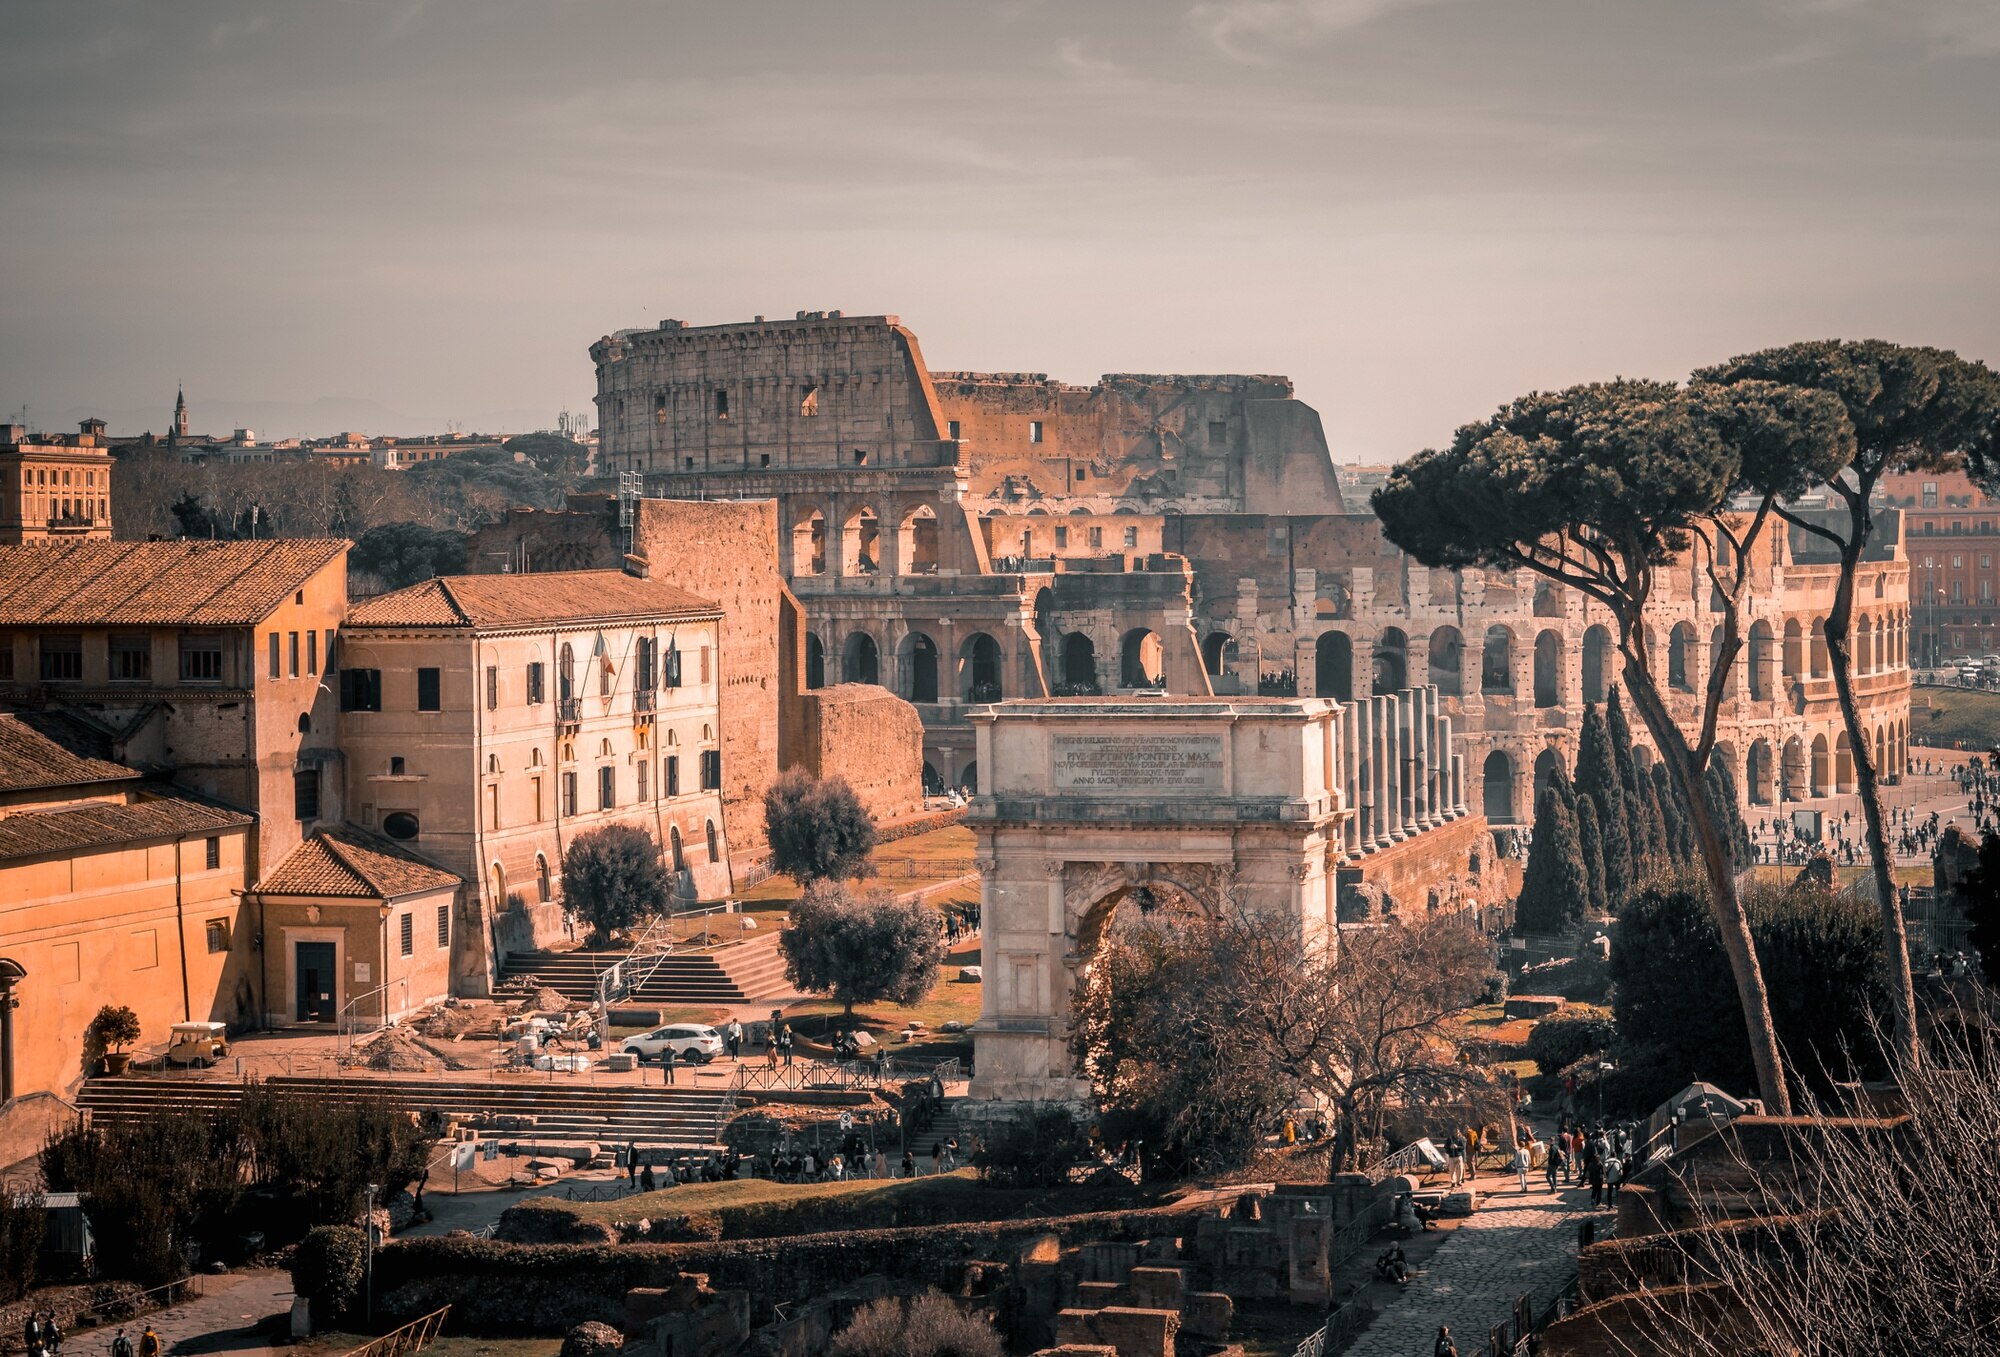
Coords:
pixel 1514 1243
pixel 241 1312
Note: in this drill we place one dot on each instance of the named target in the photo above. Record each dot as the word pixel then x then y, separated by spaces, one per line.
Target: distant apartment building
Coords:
pixel 202 662
pixel 487 720
pixel 113 890
pixel 1952 538
pixel 54 488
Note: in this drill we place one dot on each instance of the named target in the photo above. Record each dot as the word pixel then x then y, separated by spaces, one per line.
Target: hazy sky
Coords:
pixel 1416 208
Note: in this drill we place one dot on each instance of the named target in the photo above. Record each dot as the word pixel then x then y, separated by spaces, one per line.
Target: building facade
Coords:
pixel 1953 545
pixel 201 662
pixel 490 719
pixel 964 537
pixel 54 488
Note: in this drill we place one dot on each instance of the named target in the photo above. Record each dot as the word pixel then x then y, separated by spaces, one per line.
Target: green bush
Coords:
pixel 1034 1149
pixel 327 1270
pixel 1568 1037
pixel 930 1325
pixel 23 1225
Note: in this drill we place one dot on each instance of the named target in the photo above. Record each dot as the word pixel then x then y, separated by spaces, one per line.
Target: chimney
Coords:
pixel 637 566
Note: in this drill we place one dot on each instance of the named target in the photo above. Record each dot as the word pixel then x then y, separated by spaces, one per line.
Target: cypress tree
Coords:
pixel 1641 820
pixel 1597 781
pixel 1639 829
pixel 1679 830
pixel 1591 839
pixel 1720 784
pixel 1555 891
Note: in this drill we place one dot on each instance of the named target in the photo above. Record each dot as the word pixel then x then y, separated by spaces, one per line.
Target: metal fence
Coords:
pixel 415 1336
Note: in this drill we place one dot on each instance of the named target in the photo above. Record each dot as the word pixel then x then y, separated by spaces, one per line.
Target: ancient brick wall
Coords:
pixel 728 552
pixel 869 736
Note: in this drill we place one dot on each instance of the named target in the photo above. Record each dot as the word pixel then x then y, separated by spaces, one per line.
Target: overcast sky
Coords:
pixel 1415 208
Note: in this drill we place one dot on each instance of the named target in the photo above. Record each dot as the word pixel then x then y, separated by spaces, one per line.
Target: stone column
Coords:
pixel 1447 804
pixel 1392 766
pixel 1458 783
pixel 1371 774
pixel 1410 730
pixel 1350 774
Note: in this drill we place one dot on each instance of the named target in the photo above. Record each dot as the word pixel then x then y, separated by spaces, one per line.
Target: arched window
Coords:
pixel 499 878
pixel 714 844
pixel 674 848
pixel 1496 666
pixel 1392 661
pixel 1548 668
pixel 1140 660
pixel 566 673
pixel 815 661
pixel 1079 665
pixel 492 765
pixel 535 757
pixel 1448 662
pixel 542 891
pixel 1218 652
pixel 860 661
pixel 305 723
pixel 1596 663
pixel 979 669
pixel 1680 658
pixel 1497 788
pixel 809 544
pixel 920 667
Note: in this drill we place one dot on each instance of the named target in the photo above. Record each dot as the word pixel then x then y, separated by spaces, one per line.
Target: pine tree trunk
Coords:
pixel 1895 934
pixel 1728 907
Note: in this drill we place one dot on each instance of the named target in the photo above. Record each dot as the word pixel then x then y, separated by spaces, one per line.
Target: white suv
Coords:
pixel 690 1042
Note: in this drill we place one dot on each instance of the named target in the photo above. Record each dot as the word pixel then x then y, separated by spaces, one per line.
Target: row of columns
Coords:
pixel 1399 768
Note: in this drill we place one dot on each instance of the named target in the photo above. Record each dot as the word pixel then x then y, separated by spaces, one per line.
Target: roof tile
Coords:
pixel 206 584
pixel 99 824
pixel 559 596
pixel 345 861
pixel 30 759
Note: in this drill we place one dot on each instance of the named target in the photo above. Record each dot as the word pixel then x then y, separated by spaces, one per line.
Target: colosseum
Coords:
pixel 963 537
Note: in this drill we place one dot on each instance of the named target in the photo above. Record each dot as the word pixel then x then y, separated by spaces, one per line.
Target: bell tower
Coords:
pixel 179 428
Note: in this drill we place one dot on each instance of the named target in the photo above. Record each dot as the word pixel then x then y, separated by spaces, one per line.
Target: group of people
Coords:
pixel 43 1334
pixel 1602 1156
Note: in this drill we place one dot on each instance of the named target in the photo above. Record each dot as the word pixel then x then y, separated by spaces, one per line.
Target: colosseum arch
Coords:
pixel 1496 662
pixel 1496 788
pixel 861 543
pixel 1218 652
pixel 860 659
pixel 1079 662
pixel 917 542
pixel 1680 658
pixel 809 541
pixel 1392 661
pixel 1822 767
pixel 1843 764
pixel 815 661
pixel 1796 773
pixel 1596 663
pixel 1447 667
pixel 1547 763
pixel 1333 666
pixel 1819 666
pixel 1141 660
pixel 1795 649
pixel 1757 774
pixel 917 659
pixel 1549 668
pixel 979 663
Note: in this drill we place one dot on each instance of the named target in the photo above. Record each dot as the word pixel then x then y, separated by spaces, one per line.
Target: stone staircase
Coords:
pixel 940 1130
pixel 727 976
pixel 567 1111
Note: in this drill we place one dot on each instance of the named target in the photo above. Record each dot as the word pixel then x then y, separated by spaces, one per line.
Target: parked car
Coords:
pixel 690 1042
pixel 197 1043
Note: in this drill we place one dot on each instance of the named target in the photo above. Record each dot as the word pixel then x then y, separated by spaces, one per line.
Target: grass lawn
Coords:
pixel 907 864
pixel 1955 714
pixel 951 1001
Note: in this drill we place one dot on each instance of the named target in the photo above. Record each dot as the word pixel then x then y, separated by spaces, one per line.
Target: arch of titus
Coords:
pixel 1281 800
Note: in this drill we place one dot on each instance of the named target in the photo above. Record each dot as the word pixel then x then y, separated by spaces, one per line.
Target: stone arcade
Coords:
pixel 1091 804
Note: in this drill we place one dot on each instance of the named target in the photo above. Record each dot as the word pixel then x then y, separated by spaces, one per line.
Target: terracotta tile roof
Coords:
pixel 103 824
pixel 557 596
pixel 344 861
pixel 203 584
pixel 30 759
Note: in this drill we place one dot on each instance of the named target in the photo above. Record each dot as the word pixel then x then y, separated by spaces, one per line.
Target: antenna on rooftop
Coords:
pixel 631 488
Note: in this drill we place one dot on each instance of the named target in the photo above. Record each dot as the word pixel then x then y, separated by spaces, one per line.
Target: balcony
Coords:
pixel 642 701
pixel 569 711
pixel 71 522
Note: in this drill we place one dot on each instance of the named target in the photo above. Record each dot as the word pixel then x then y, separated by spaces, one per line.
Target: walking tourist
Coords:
pixel 667 1063
pixel 1523 1161
pixel 1457 1160
pixel 149 1343
pixel 1444 1347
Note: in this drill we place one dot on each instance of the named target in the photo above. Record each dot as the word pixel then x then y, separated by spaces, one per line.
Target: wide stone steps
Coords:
pixel 561 1110
pixel 727 976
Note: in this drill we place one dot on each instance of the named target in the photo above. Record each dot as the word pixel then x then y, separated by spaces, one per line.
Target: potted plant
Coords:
pixel 109 1033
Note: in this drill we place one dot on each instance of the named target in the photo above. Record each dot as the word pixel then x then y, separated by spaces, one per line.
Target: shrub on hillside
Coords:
pixel 930 1325
pixel 862 949
pixel 23 1225
pixel 1568 1037
pixel 327 1270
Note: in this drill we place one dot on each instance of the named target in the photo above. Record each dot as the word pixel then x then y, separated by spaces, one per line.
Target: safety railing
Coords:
pixel 1339 1327
pixel 116 1309
pixel 415 1336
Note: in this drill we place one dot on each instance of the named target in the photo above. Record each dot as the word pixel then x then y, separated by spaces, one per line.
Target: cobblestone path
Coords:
pixel 1514 1243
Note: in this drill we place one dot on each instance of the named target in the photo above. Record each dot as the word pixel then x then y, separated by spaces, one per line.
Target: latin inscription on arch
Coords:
pixel 1119 764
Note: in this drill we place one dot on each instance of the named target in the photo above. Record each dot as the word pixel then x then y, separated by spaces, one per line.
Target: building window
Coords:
pixel 535 683
pixel 212 856
pixel 201 659
pixel 1131 537
pixel 542 878
pixel 295 654
pixel 409 934
pixel 714 844
pixel 444 925
pixel 218 933
pixel 428 697
pixel 569 793
pixel 711 769
pixel 1034 431
pixel 1218 432
pixel 721 403
pixel 1062 536
pixel 535 790
pixel 492 687
pixel 131 658
pixel 951 428
pixel 704 664
pixel 277 657
pixel 492 805
pixel 607 788
pixel 673 775
pixel 361 690
pixel 305 794
pixel 643 679
pixel 642 781
pixel 1097 537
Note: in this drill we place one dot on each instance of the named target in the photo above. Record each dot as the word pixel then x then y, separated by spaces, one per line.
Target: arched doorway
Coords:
pixel 1079 665
pixel 1218 652
pixel 1761 652
pixel 1596 663
pixel 1497 788
pixel 1548 668
pixel 979 668
pixel 1333 666
pixel 1680 658
pixel 920 667
pixel 1546 764
pixel 1392 661
pixel 1757 773
pixel 1822 766
pixel 1140 660
pixel 860 662
pixel 815 661
pixel 1448 662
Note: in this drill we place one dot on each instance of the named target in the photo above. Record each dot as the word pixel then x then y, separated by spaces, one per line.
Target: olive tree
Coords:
pixel 1600 487
pixel 1909 409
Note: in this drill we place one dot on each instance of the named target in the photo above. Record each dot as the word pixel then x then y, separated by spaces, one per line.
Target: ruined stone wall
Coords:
pixel 728 552
pixel 870 737
pixel 583 535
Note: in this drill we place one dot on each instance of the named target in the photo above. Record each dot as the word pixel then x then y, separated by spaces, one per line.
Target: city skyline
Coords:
pixel 1413 208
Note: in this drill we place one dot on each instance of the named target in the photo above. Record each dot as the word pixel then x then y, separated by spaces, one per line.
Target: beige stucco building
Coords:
pixel 53 488
pixel 489 719
pixel 112 891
